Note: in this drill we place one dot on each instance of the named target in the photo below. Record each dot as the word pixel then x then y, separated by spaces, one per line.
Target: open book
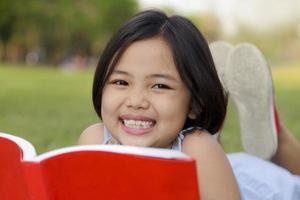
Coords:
pixel 94 172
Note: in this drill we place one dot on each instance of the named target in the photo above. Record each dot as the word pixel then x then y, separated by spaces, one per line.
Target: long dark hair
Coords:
pixel 191 56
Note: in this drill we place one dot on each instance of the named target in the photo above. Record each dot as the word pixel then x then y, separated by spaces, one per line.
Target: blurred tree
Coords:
pixel 208 24
pixel 7 20
pixel 61 28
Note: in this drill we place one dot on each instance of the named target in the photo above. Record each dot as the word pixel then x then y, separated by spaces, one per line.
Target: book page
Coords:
pixel 27 148
pixel 142 151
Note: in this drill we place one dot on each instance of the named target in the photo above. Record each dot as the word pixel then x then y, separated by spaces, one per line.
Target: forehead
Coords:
pixel 153 54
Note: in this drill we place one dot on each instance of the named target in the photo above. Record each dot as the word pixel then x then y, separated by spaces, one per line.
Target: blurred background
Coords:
pixel 49 49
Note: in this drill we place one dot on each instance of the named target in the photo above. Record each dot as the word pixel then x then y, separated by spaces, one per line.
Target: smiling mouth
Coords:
pixel 137 124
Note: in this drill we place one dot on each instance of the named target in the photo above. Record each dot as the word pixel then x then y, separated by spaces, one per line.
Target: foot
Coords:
pixel 249 82
pixel 220 51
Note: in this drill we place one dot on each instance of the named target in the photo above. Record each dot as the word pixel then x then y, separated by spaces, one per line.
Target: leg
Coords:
pixel 240 68
pixel 249 82
pixel 288 151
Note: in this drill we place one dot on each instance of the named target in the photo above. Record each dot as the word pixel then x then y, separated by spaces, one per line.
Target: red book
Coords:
pixel 94 172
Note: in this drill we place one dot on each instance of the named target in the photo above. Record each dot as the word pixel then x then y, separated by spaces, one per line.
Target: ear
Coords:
pixel 192 115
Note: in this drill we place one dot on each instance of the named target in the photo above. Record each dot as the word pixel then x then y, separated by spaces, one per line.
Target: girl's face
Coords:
pixel 145 102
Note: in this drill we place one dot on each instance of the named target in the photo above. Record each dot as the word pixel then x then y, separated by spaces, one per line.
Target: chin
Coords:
pixel 136 143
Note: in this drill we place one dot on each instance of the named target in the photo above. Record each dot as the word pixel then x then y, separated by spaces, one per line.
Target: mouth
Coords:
pixel 137 125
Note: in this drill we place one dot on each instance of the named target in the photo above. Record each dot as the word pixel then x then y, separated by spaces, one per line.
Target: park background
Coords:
pixel 49 50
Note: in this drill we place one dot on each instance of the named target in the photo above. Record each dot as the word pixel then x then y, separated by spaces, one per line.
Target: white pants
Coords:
pixel 263 180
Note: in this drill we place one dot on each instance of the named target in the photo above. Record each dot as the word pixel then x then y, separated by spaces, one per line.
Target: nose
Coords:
pixel 137 99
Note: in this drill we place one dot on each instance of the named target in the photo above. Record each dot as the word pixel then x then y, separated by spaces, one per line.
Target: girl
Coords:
pixel 156 85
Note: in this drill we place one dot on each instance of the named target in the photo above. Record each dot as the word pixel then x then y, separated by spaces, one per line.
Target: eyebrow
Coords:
pixel 164 76
pixel 120 72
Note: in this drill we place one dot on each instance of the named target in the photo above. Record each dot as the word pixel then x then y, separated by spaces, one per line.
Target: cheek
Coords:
pixel 108 101
pixel 173 108
pixel 112 100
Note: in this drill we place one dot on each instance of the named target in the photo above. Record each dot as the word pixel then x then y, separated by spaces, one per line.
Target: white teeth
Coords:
pixel 137 123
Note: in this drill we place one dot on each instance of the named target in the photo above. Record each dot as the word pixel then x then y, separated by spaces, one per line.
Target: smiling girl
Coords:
pixel 156 86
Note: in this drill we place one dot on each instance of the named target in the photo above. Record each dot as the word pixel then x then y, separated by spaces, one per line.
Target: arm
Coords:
pixel 215 176
pixel 92 135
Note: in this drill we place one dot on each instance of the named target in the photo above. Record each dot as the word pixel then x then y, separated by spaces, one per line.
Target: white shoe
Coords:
pixel 249 82
pixel 220 51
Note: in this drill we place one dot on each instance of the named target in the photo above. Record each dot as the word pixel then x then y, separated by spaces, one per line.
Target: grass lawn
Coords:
pixel 50 107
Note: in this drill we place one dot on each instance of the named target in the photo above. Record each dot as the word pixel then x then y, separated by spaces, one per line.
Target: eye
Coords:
pixel 161 86
pixel 119 82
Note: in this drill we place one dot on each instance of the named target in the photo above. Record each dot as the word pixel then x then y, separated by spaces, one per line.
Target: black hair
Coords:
pixel 191 56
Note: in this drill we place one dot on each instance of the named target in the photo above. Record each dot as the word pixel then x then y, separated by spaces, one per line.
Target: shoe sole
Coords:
pixel 220 51
pixel 249 82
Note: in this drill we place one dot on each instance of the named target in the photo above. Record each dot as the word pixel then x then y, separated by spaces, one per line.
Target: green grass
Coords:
pixel 50 107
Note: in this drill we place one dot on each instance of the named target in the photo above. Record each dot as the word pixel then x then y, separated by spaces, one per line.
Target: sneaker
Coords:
pixel 249 82
pixel 220 51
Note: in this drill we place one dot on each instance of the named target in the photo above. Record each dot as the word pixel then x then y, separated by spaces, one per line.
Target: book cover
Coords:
pixel 94 172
